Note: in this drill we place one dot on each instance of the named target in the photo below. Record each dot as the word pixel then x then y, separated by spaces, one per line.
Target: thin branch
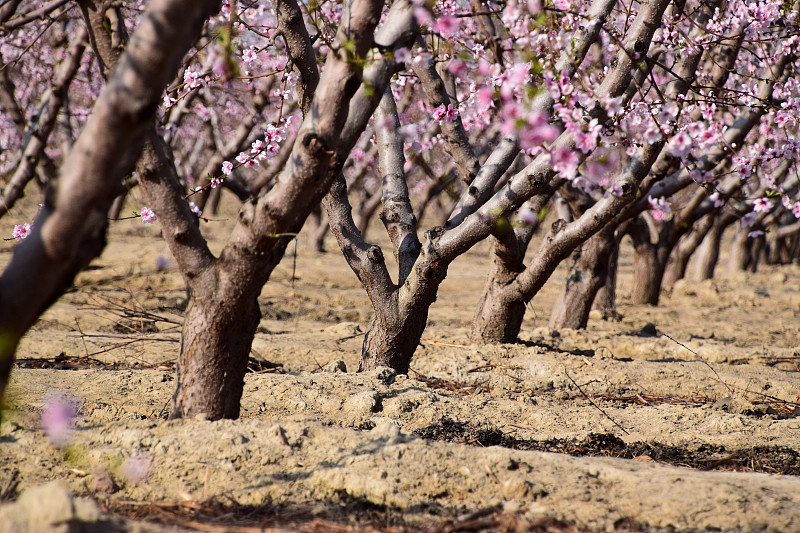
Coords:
pixel 457 142
pixel 31 15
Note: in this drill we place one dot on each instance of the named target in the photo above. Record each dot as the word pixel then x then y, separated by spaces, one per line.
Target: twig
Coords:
pixel 594 404
pixel 83 339
pixel 767 396
pixel 699 358
pixel 437 343
pixel 10 486
pixel 122 336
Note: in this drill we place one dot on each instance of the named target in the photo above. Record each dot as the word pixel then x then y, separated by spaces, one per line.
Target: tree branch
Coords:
pixel 299 47
pixel 456 140
pixel 397 215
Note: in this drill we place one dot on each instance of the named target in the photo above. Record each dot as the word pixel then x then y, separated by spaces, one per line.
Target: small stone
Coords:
pixel 385 375
pixel 343 330
pixel 603 353
pixel 648 330
pixel 594 314
pixel 335 367
pixel 279 434
pixel 103 483
pixel 364 402
pixel 545 333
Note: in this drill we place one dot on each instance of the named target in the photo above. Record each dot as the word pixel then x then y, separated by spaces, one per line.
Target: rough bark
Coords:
pixel 741 253
pixel 605 301
pixel 588 271
pixel 499 318
pixel 317 229
pixel 647 269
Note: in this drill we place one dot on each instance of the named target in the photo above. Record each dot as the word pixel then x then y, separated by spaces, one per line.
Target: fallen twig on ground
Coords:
pixel 594 404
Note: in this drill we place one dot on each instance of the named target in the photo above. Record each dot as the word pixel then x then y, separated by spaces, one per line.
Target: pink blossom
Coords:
pixel 274 133
pixel 249 54
pixel 443 113
pixel 717 199
pixel 755 233
pixel 58 415
pixel 564 85
pixel 485 98
pixel 256 146
pixel 537 130
pixel 652 134
pixel 168 101
pixel 423 16
pixel 701 176
pixel 709 137
pixel 162 263
pixel 528 217
pixel 457 68
pixel 401 55
pixel 796 210
pixel 613 106
pixel 587 141
pixel 659 207
pixel 761 205
pixel 681 144
pixel 192 79
pixel 695 129
pixel 446 25
pixel 565 162
pixel 227 168
pixel 749 219
pixel 137 467
pixel 196 210
pixel 21 231
pixel 242 157
pixel 148 216
pixel 215 181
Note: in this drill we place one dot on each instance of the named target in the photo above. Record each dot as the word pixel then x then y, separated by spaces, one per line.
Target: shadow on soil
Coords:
pixel 773 460
pixel 346 514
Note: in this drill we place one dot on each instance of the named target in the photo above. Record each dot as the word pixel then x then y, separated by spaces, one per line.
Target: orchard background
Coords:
pixel 592 211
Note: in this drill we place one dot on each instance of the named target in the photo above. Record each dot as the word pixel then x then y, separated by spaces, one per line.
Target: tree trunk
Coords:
pixel 648 271
pixel 709 249
pixel 498 318
pixel 740 257
pixel 317 227
pixel 587 273
pixel 216 342
pixel 606 299
pixel 392 338
pixel 679 259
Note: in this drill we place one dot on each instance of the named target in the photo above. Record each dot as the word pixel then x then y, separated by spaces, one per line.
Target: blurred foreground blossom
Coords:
pixel 137 467
pixel 58 417
pixel 162 263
